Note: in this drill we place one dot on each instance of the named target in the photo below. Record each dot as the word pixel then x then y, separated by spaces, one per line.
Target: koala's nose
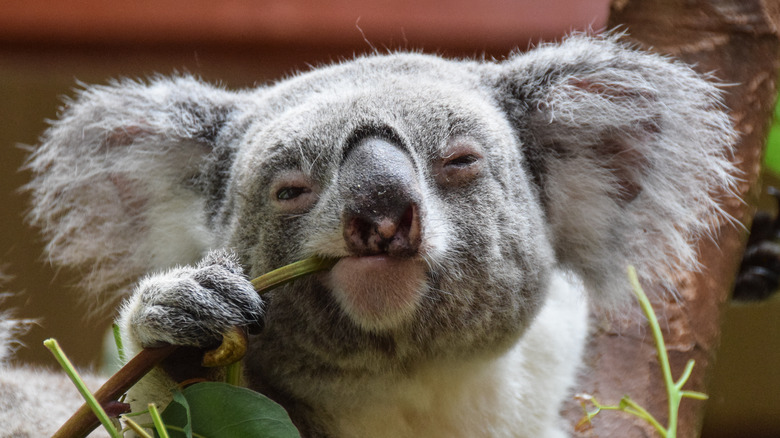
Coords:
pixel 382 197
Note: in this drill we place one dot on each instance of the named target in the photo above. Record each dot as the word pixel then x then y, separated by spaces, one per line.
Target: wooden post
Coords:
pixel 736 40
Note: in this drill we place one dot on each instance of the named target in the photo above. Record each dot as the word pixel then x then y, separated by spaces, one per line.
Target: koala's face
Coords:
pixel 413 184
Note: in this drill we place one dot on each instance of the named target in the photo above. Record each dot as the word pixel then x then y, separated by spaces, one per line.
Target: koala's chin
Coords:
pixel 378 292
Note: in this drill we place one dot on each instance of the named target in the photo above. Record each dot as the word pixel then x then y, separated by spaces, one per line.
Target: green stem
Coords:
pixel 157 420
pixel 120 347
pixel 696 395
pixel 640 412
pixel 290 272
pixel 137 428
pixel 180 429
pixel 233 373
pixel 70 370
pixel 672 391
pixel 628 406
pixel 685 375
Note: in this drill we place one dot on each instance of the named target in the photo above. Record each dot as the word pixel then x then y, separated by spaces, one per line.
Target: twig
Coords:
pixel 84 421
pixel 158 423
pixel 137 428
pixel 674 390
pixel 94 407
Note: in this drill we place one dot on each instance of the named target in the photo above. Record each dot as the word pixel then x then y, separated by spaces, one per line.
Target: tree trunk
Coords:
pixel 737 40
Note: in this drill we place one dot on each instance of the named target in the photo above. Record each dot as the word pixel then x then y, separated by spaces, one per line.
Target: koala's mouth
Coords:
pixel 378 291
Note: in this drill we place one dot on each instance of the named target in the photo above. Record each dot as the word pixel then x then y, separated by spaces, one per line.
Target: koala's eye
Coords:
pixel 461 162
pixel 288 193
pixel 293 192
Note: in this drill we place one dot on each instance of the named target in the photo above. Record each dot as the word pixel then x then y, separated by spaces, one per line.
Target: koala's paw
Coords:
pixel 193 306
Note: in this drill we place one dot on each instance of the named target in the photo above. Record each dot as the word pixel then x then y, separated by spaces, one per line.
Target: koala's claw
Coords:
pixel 193 306
pixel 231 350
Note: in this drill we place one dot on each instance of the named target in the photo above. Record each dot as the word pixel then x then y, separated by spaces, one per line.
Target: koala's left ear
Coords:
pixel 629 152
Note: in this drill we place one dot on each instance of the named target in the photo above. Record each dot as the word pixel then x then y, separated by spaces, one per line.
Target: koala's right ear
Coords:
pixel 132 177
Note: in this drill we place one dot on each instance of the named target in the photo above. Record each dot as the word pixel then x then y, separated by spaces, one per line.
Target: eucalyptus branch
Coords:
pixel 84 421
pixel 293 271
pixel 674 390
pixel 137 428
pixel 158 423
pixel 91 403
pixel 626 405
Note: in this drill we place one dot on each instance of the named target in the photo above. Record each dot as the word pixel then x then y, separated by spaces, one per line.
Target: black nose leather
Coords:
pixel 382 197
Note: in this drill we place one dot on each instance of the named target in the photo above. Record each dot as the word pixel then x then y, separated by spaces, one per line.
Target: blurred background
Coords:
pixel 46 48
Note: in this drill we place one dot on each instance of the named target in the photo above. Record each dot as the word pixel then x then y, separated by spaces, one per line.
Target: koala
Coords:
pixel 477 210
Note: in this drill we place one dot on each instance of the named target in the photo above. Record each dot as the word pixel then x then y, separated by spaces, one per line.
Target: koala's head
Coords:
pixel 404 168
pixel 448 189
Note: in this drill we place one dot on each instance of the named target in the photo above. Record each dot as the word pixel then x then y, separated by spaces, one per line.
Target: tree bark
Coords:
pixel 737 41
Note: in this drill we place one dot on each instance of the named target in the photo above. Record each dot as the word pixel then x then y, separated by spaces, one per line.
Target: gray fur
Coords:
pixel 521 183
pixel 33 402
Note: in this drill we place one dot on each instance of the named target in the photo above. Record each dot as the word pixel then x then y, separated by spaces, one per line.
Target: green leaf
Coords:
pixel 178 413
pixel 219 410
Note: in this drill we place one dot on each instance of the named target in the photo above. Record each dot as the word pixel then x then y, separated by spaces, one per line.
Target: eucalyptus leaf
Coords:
pixel 178 413
pixel 219 410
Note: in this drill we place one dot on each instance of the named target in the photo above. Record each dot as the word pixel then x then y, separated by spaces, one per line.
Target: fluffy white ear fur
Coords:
pixel 11 329
pixel 630 153
pixel 118 189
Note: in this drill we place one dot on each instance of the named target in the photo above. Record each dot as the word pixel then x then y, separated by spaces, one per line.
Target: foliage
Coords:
pixel 214 409
pixel 772 154
pixel 674 390
pixel 218 409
